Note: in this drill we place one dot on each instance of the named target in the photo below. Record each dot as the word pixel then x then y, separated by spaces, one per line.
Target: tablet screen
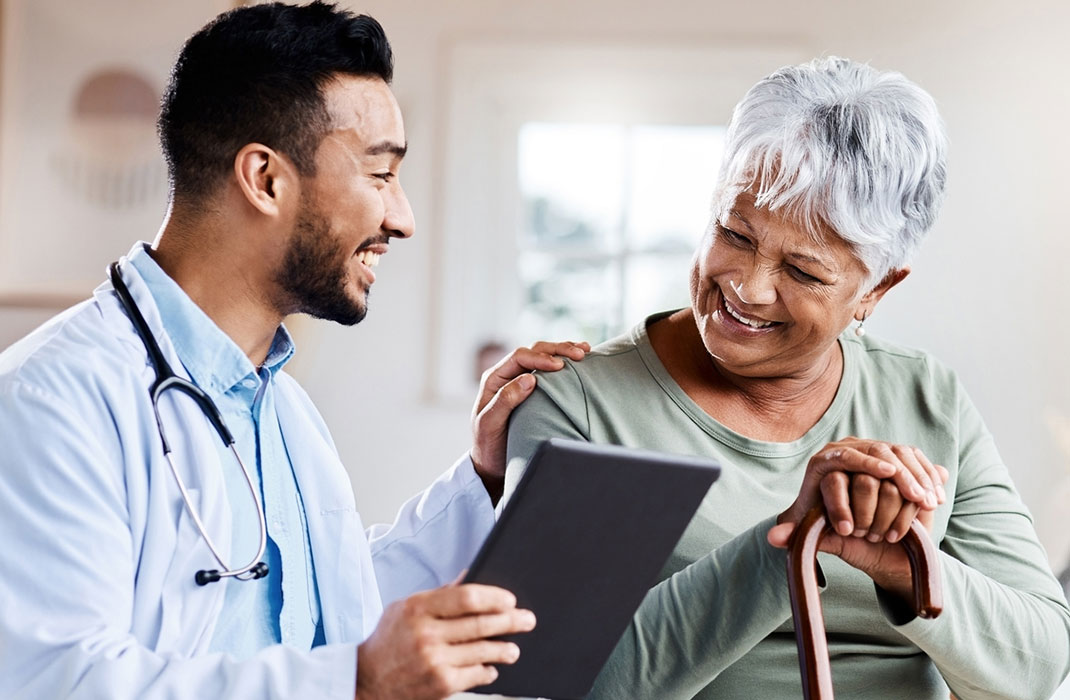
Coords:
pixel 580 543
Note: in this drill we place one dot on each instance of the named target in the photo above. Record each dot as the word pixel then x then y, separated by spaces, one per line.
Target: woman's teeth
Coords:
pixel 368 258
pixel 745 321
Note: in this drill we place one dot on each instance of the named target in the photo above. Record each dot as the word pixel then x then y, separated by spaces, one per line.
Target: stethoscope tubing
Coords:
pixel 167 379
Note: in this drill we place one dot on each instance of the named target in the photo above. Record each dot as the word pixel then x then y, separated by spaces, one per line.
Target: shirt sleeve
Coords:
pixel 1005 628
pixel 435 535
pixel 70 562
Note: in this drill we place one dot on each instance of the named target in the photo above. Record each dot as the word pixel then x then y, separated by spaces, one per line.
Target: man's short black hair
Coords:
pixel 255 75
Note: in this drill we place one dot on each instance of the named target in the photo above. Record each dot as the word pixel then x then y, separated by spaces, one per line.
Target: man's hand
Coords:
pixel 504 387
pixel 436 643
pixel 872 491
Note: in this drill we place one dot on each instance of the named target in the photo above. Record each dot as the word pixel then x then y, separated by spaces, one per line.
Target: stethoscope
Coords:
pixel 167 379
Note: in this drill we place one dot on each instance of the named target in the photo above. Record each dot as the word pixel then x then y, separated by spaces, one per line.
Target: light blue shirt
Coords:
pixel 284 607
pixel 97 591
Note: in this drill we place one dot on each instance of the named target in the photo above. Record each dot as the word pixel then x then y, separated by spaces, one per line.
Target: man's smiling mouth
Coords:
pixel 368 258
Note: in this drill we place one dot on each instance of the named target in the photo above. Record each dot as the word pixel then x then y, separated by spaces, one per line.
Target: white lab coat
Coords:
pixel 97 597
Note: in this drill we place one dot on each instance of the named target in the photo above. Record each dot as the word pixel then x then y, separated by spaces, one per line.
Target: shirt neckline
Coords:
pixel 213 360
pixel 818 434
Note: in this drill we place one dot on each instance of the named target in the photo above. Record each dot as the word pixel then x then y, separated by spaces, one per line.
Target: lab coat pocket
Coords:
pixel 189 611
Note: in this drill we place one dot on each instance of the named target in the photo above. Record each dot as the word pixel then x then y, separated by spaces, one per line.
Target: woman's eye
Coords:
pixel 733 237
pixel 385 177
pixel 803 276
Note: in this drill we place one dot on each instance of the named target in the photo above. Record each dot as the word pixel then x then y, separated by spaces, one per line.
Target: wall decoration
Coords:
pixel 81 175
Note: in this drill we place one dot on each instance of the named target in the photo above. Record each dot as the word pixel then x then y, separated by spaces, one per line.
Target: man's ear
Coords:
pixel 267 179
pixel 870 299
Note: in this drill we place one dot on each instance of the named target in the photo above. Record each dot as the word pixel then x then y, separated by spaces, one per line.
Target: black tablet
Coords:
pixel 580 543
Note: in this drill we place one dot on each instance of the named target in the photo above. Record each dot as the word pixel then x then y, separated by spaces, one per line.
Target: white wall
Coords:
pixel 987 294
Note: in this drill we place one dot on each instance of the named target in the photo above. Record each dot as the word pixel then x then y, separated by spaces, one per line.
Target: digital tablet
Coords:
pixel 580 543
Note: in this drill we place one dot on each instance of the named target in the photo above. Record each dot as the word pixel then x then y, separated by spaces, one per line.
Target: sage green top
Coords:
pixel 718 624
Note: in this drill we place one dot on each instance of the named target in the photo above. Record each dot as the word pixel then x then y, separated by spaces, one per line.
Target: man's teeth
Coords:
pixel 746 321
pixel 368 258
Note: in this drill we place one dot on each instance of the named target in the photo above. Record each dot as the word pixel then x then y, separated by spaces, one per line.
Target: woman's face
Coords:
pixel 769 301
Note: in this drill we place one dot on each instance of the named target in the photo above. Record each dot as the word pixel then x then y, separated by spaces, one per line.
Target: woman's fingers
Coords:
pixel 835 491
pixel 937 474
pixel 898 528
pixel 889 506
pixel 865 492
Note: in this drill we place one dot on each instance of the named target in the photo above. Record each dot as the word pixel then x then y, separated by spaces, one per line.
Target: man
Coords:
pixel 122 566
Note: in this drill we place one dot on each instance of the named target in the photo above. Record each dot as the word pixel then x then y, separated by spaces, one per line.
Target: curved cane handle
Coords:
pixel 806 604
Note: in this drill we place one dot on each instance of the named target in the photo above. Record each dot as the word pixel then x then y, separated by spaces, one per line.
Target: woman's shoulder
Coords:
pixel 890 364
pixel 609 366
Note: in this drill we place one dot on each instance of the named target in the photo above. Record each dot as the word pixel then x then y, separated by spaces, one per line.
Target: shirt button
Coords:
pixel 249 383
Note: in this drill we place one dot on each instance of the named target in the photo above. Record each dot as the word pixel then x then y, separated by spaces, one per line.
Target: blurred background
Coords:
pixel 561 159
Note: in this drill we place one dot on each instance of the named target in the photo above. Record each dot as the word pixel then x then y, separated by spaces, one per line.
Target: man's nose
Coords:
pixel 398 218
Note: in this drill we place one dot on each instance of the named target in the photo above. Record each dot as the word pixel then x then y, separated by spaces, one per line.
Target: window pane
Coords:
pixel 672 173
pixel 572 184
pixel 655 282
pixel 567 299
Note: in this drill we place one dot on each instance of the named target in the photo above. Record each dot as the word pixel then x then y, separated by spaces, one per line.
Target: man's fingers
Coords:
pixel 466 599
pixel 493 416
pixel 472 676
pixel 542 356
pixel 572 350
pixel 481 652
pixel 835 493
pixel 475 627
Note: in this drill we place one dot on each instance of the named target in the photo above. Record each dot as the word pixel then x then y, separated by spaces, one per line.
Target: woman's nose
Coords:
pixel 756 288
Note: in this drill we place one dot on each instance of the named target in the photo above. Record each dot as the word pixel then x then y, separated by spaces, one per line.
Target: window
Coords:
pixel 610 217
pixel 575 183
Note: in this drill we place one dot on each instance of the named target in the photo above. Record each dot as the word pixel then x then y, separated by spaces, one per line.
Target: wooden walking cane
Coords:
pixel 806 605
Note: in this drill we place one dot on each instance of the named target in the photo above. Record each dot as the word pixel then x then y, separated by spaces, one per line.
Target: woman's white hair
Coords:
pixel 835 144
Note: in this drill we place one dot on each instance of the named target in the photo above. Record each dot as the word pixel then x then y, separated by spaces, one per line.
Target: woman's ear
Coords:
pixel 265 177
pixel 870 299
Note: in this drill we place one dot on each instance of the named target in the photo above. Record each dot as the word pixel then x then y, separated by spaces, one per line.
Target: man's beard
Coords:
pixel 314 272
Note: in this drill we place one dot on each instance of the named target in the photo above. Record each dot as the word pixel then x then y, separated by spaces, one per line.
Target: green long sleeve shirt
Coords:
pixel 718 623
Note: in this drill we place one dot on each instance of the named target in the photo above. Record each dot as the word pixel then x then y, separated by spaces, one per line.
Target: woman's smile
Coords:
pixel 739 321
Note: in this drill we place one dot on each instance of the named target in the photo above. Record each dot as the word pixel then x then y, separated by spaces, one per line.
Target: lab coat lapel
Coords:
pixel 349 598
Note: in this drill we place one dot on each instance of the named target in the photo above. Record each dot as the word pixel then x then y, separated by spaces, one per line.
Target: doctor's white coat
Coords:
pixel 98 553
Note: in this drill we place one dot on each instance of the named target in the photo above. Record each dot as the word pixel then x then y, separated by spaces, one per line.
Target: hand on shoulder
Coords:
pixel 502 388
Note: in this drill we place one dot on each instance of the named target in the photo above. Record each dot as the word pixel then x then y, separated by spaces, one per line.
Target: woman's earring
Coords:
pixel 860 329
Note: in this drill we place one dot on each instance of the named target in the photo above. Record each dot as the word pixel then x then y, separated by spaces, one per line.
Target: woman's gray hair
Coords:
pixel 837 144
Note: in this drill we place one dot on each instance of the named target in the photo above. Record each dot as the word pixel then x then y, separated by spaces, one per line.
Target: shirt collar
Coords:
pixel 213 360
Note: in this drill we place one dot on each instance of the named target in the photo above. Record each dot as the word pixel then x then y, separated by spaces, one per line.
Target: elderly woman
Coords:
pixel 833 173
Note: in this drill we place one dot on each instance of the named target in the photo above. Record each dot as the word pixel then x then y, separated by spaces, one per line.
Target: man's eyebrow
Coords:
pixel 377 149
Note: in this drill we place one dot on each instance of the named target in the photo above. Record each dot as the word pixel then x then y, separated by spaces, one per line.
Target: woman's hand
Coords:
pixel 870 504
